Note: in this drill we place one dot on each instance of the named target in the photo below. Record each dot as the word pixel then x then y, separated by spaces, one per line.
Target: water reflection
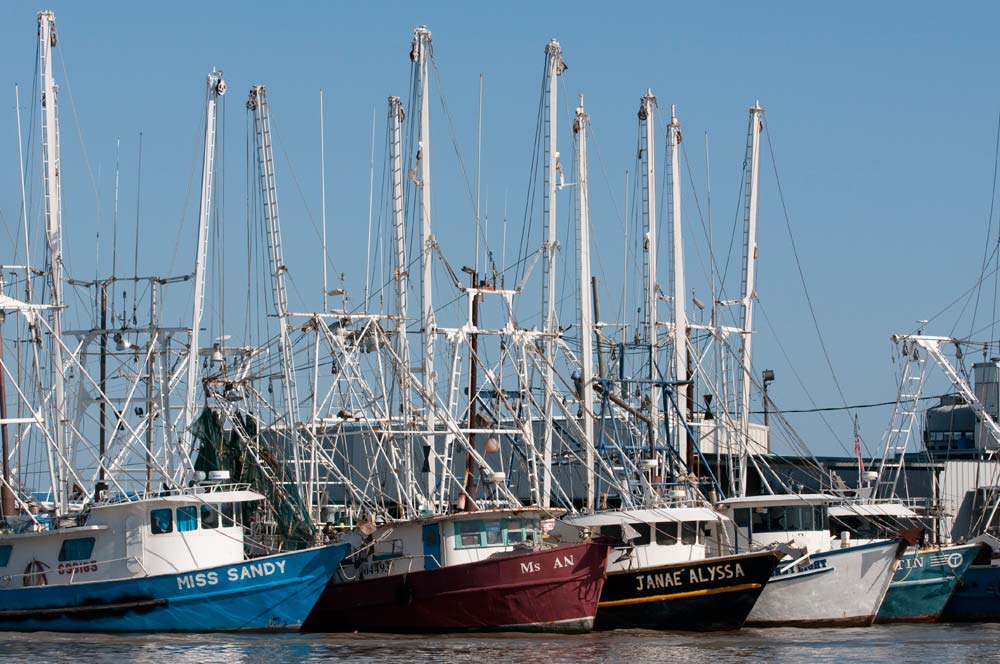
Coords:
pixel 884 643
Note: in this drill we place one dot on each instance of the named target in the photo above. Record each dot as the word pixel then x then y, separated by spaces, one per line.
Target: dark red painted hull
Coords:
pixel 552 590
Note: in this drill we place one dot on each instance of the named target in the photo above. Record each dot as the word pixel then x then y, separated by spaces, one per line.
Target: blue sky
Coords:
pixel 882 117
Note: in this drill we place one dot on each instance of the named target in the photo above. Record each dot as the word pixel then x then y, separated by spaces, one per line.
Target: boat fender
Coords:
pixel 405 595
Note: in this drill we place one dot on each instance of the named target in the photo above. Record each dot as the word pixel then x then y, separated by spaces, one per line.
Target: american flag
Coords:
pixel 857 453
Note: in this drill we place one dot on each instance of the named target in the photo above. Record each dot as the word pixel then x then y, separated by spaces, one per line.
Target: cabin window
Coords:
pixel 228 514
pixel 187 518
pixel 78 548
pixel 210 516
pixel 468 533
pixel 642 529
pixel 666 533
pixel 742 517
pixel 161 521
pixel 821 517
pixel 520 531
pixel 790 518
pixel 532 530
pixel 798 518
pixel 613 531
pixel 5 554
pixel 689 532
pixel 515 532
pixel 493 530
pixel 706 531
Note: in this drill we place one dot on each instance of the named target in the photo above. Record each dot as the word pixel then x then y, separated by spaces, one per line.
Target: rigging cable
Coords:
pixel 798 266
pixel 989 233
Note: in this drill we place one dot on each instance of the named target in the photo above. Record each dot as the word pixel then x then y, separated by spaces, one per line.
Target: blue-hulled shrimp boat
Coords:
pixel 925 576
pixel 170 562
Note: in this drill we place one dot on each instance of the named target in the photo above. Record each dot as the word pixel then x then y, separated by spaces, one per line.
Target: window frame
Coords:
pixel 158 529
pixel 689 528
pixel 663 537
pixel 469 527
pixel 229 516
pixel 64 555
pixel 189 521
pixel 214 514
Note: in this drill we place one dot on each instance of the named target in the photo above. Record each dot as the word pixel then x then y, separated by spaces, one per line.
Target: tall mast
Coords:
pixel 53 235
pixel 679 294
pixel 400 270
pixel 420 53
pixel 257 103
pixel 215 87
pixel 648 132
pixel 554 68
pixel 583 299
pixel 322 180
pixel 749 276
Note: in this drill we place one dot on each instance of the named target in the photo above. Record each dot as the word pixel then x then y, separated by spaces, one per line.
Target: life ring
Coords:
pixel 34 574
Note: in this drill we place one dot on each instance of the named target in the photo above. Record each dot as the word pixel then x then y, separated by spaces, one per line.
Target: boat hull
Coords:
pixel 705 595
pixel 554 590
pixel 274 592
pixel 976 599
pixel 839 588
pixel 924 582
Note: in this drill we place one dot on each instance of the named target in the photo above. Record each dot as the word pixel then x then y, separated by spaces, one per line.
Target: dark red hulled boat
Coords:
pixel 552 589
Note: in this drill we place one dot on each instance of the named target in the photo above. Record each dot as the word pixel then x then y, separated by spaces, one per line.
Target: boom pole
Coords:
pixel 401 277
pixel 258 105
pixel 51 173
pixel 749 277
pixel 420 53
pixel 679 291
pixel 648 129
pixel 215 87
pixel 554 69
pixel 586 395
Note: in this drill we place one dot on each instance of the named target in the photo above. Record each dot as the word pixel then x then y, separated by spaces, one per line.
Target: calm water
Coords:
pixel 909 643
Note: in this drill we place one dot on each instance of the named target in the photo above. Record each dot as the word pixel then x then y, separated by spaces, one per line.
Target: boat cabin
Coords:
pixel 442 541
pixel 800 520
pixel 657 536
pixel 156 534
pixel 871 521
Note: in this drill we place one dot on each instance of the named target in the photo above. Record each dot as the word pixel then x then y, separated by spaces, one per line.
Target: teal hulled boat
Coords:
pixel 924 582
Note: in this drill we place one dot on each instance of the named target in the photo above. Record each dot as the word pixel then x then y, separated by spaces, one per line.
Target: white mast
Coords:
pixel 257 103
pixel 400 273
pixel 215 88
pixel 584 301
pixel 51 174
pixel 649 255
pixel 749 276
pixel 554 68
pixel 322 181
pixel 679 292
pixel 420 53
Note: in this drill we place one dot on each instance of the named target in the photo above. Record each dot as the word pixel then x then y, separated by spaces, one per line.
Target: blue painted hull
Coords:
pixel 924 582
pixel 274 592
pixel 977 598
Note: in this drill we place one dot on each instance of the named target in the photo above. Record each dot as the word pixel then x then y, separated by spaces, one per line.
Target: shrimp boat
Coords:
pixel 669 568
pixel 108 551
pixel 665 570
pixel 167 562
pixel 925 576
pixel 975 597
pixel 486 571
pixel 814 585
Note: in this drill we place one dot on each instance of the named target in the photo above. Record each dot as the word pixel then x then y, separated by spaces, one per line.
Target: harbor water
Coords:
pixel 897 643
